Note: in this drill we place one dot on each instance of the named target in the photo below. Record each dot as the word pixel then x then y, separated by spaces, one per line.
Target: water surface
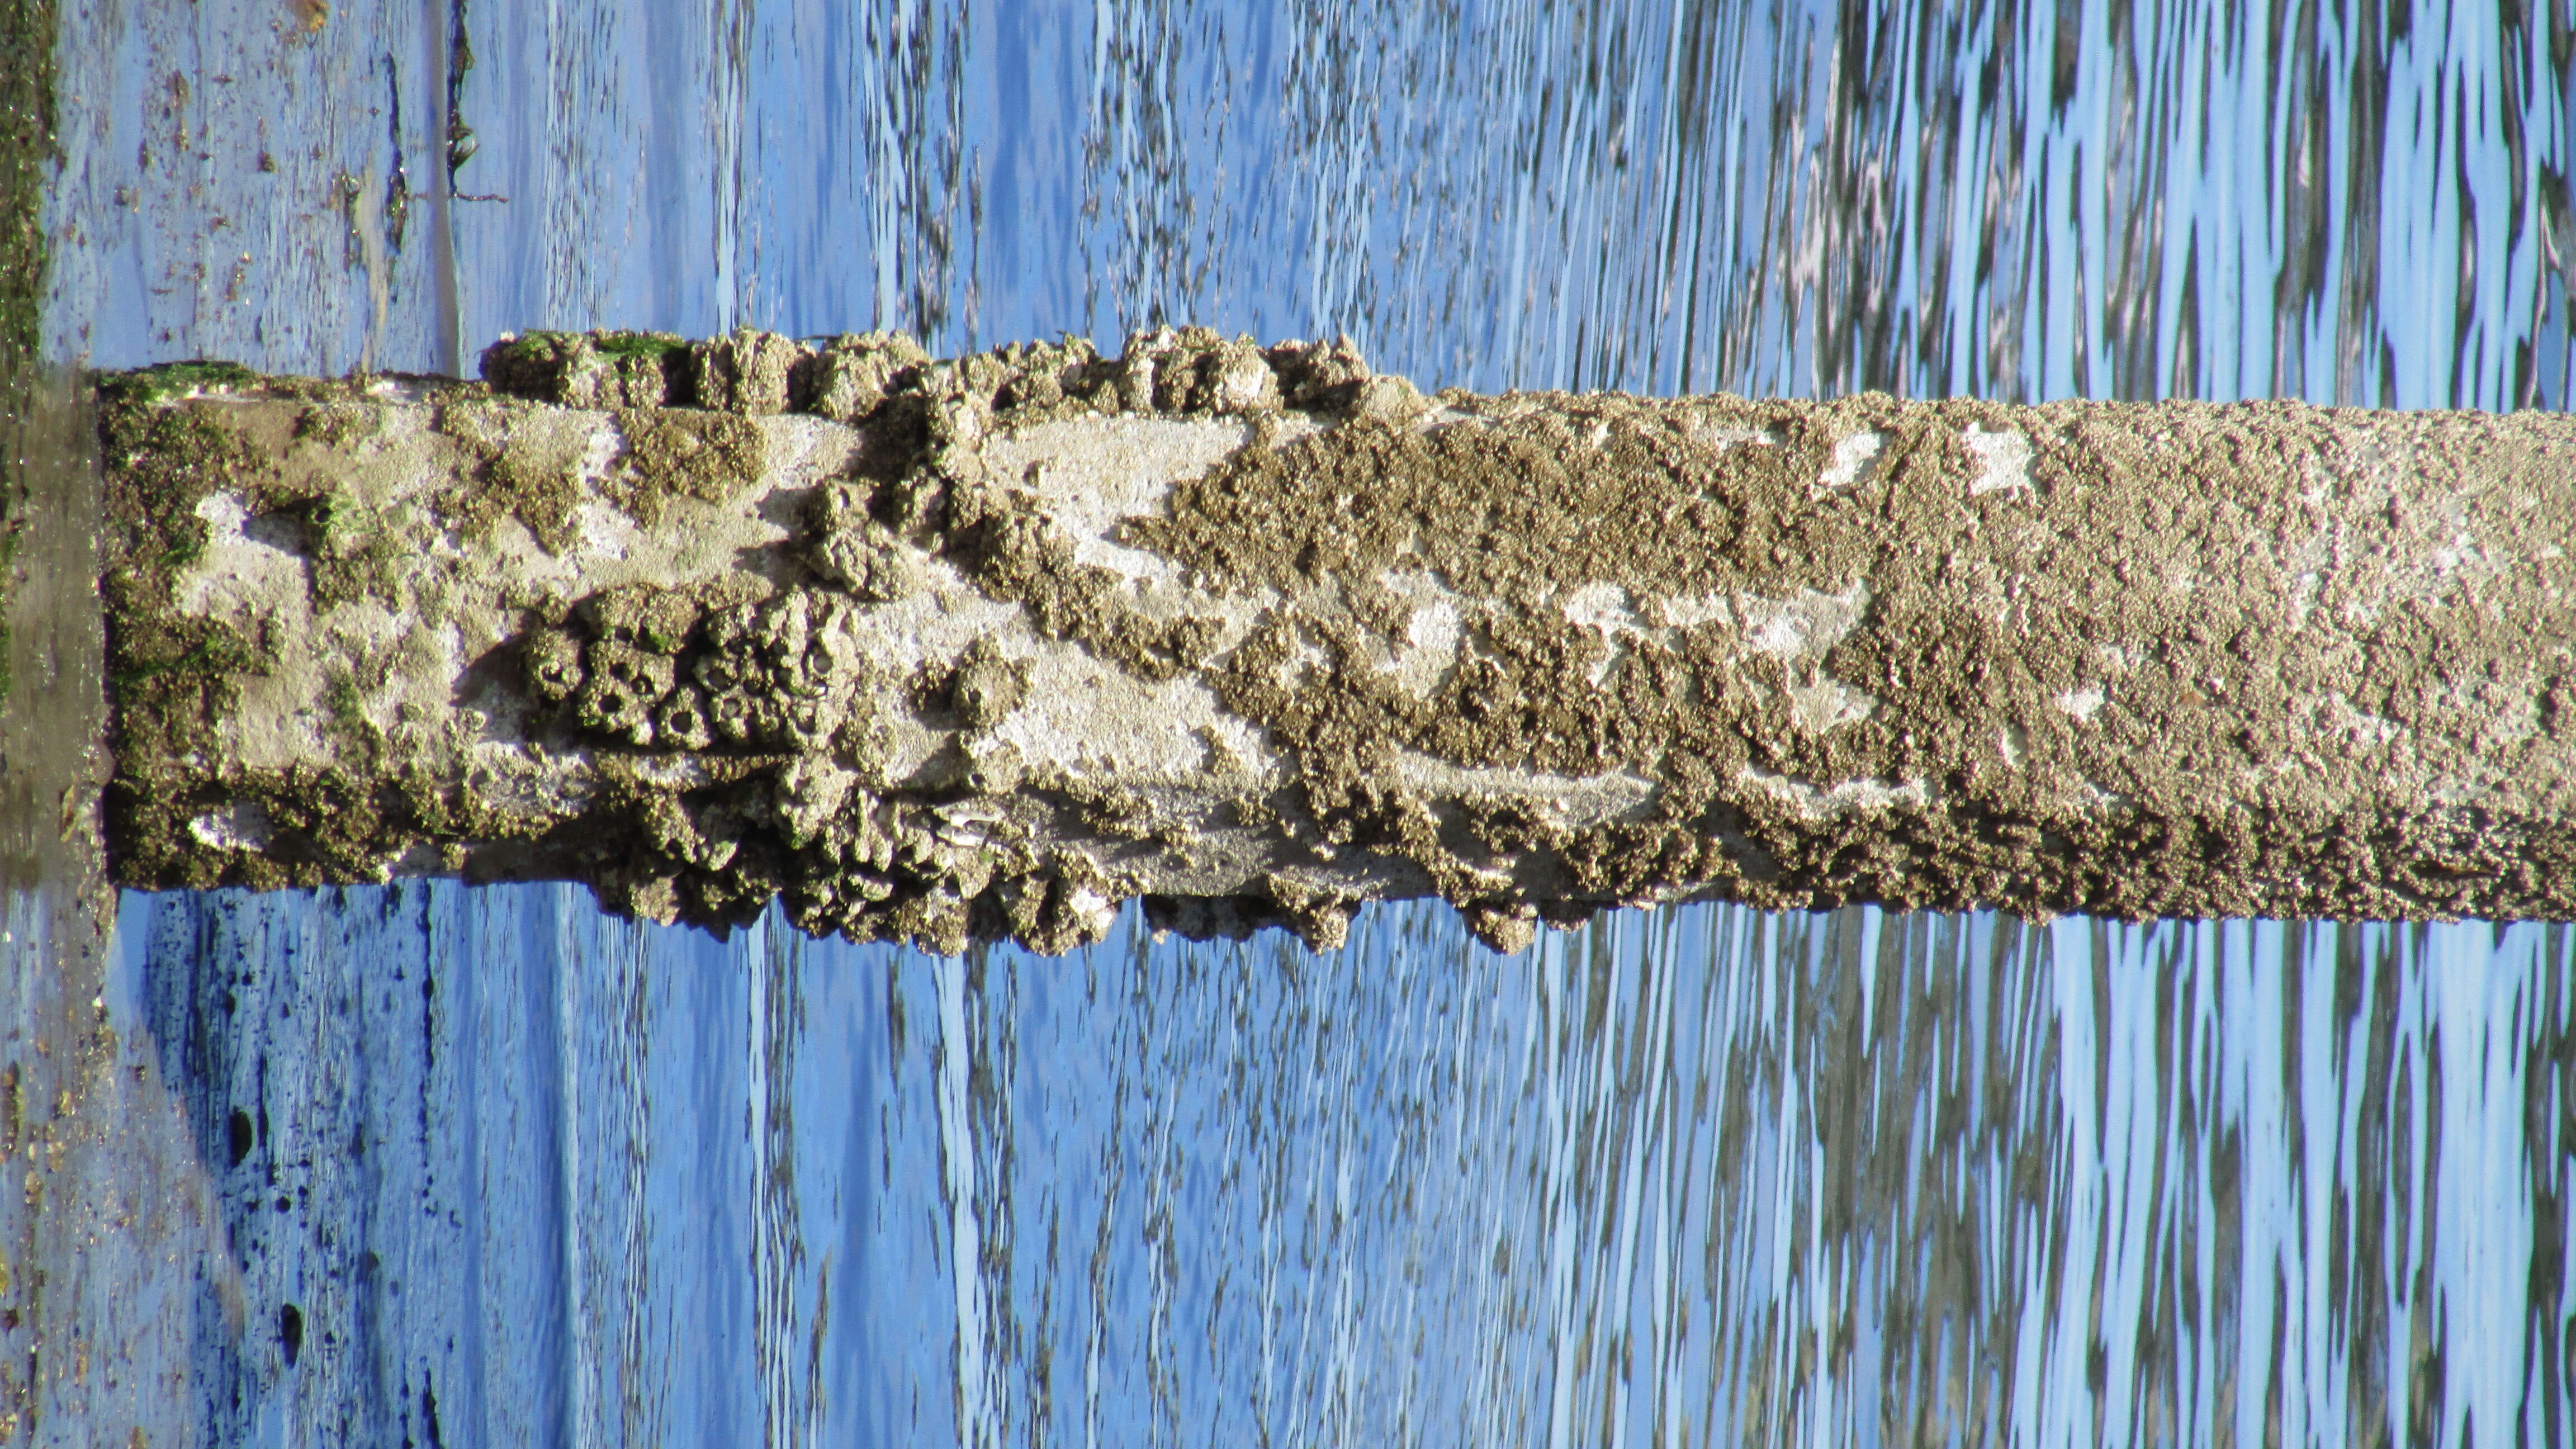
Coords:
pixel 434 1165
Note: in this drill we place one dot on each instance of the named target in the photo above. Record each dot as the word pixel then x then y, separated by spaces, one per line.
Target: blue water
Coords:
pixel 528 1175
pixel 1697 1174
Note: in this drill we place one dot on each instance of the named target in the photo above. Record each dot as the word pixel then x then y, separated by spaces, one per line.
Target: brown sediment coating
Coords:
pixel 2331 649
pixel 2135 660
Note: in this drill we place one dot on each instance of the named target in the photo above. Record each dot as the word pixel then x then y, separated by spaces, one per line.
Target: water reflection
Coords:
pixel 2021 201
pixel 1700 1175
pixel 2346 204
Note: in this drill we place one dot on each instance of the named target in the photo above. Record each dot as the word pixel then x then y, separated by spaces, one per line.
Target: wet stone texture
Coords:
pixel 940 650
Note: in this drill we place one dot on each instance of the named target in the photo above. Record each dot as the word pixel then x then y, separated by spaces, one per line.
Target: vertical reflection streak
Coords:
pixel 971 1394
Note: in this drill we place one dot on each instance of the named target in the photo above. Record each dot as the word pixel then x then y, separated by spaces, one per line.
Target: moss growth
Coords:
pixel 216 656
pixel 146 387
pixel 180 555
pixel 173 675
pixel 349 726
pixel 591 369
pixel 28 147
pixel 163 461
pixel 28 151
pixel 337 426
pixel 660 346
pixel 520 470
pixel 325 826
pixel 351 552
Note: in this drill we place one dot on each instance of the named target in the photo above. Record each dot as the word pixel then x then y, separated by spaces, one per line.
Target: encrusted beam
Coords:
pixel 944 650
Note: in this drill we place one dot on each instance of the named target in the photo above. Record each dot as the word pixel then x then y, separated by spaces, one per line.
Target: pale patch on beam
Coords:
pixel 1692 610
pixel 1431 631
pixel 1837 800
pixel 1711 435
pixel 1089 473
pixel 1799 632
pixel 1806 627
pixel 1825 703
pixel 1856 459
pixel 1081 715
pixel 1604 609
pixel 2003 461
pixel 242 825
pixel 1579 801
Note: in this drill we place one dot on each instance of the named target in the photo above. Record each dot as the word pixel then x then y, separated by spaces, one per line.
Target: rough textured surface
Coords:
pixel 980 647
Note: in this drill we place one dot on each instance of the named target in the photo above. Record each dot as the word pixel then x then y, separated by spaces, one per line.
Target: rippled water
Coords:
pixel 432 1165
pixel 1698 1175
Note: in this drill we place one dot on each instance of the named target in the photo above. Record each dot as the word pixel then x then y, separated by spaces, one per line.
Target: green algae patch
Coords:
pixel 171 676
pixel 169 444
pixel 525 466
pixel 148 386
pixel 338 426
pixel 162 461
pixel 30 151
pixel 607 369
pixel 352 552
pixel 303 827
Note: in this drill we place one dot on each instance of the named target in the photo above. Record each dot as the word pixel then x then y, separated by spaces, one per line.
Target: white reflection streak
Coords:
pixel 1637 949
pixel 2308 1312
pixel 756 960
pixel 1560 1207
pixel 2201 1026
pixel 2412 1178
pixel 974 1396
pixel 573 1105
pixel 2484 1252
pixel 2049 1379
pixel 772 958
pixel 2134 1144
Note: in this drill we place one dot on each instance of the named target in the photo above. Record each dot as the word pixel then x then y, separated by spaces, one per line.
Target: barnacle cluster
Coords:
pixel 648 667
pixel 859 377
pixel 773 701
pixel 775 697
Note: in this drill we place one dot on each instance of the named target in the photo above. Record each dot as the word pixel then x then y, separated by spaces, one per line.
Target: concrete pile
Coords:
pixel 980 648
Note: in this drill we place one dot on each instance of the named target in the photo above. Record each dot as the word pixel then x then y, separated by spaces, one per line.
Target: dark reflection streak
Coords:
pixel 441 24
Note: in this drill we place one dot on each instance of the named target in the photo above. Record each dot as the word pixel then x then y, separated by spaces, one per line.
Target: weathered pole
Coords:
pixel 941 650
